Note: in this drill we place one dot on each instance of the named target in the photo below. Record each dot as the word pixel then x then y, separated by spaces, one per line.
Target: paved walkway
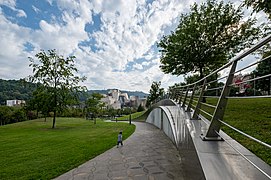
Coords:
pixel 146 155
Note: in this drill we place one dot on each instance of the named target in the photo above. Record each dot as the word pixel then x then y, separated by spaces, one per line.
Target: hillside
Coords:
pixel 22 90
pixel 15 89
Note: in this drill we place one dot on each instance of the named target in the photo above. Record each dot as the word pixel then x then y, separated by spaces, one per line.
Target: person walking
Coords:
pixel 119 139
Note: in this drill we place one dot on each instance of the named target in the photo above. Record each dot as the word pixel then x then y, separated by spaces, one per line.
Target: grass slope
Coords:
pixel 32 150
pixel 133 116
pixel 252 116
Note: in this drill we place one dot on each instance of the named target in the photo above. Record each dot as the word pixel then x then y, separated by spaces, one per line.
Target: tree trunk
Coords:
pixel 269 86
pixel 54 119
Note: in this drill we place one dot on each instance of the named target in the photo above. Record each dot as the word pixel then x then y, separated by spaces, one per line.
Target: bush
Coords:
pixel 10 115
pixel 140 108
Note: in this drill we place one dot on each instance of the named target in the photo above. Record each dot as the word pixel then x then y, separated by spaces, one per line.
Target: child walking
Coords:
pixel 119 139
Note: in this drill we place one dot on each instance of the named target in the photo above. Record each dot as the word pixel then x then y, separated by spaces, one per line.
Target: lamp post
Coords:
pixel 130 117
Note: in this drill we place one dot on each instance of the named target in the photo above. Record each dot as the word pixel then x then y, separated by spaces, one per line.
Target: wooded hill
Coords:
pixel 15 89
pixel 22 90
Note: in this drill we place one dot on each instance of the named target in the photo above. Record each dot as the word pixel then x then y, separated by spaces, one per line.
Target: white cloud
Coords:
pixel 37 10
pixel 9 3
pixel 129 31
pixel 137 66
pixel 21 13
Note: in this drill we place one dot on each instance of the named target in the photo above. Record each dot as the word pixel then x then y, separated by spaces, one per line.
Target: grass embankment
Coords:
pixel 133 116
pixel 32 150
pixel 252 116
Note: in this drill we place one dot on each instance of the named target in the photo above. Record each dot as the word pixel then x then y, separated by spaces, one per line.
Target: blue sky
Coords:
pixel 114 40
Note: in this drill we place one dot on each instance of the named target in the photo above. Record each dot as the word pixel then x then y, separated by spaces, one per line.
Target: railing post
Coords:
pixel 181 95
pixel 186 93
pixel 175 94
pixel 214 127
pixel 197 109
pixel 191 99
pixel 172 94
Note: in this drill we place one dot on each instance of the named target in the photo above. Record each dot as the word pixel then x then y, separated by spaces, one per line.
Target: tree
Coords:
pixel 94 105
pixel 206 38
pixel 263 5
pixel 155 92
pixel 42 101
pixel 140 108
pixel 57 76
pixel 263 68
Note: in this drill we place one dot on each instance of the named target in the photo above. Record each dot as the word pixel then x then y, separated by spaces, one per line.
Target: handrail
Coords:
pixel 188 90
pixel 237 58
pixel 248 136
pixel 257 62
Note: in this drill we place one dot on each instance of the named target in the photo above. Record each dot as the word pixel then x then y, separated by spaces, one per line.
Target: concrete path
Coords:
pixel 146 155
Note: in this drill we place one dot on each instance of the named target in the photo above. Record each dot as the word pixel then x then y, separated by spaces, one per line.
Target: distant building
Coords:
pixel 238 82
pixel 117 100
pixel 15 102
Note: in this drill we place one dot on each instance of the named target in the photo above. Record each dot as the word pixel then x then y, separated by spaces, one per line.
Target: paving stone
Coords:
pixel 147 155
pixel 81 176
pixel 140 177
pixel 133 172
pixel 118 174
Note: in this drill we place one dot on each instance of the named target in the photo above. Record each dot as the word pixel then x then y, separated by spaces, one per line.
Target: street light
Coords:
pixel 130 117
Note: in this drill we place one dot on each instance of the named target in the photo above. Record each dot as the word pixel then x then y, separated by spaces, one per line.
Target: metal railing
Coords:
pixel 192 96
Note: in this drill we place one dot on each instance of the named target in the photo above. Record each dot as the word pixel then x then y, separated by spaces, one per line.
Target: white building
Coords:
pixel 15 102
pixel 117 100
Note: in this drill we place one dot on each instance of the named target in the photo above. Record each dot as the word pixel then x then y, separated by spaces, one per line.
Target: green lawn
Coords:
pixel 252 116
pixel 32 150
pixel 133 116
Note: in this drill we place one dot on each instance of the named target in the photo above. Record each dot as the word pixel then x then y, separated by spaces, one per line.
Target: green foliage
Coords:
pixel 32 150
pixel 263 68
pixel 140 108
pixel 263 5
pixel 57 76
pixel 10 115
pixel 155 92
pixel 191 79
pixel 251 116
pixel 133 116
pixel 94 105
pixel 206 38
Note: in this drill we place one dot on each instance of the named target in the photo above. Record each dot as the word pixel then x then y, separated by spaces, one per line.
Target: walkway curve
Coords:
pixel 148 154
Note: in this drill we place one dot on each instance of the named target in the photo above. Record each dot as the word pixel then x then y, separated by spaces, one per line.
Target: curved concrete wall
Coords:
pixel 170 119
pixel 161 118
pixel 205 159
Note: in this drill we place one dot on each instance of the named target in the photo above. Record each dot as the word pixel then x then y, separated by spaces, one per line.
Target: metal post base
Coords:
pixel 218 138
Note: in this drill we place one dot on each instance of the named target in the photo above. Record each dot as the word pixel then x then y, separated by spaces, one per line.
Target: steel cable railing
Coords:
pixel 192 96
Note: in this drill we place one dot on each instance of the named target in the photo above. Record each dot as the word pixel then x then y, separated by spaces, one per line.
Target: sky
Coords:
pixel 114 41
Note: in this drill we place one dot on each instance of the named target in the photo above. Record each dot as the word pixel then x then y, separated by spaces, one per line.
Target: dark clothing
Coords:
pixel 119 142
pixel 119 139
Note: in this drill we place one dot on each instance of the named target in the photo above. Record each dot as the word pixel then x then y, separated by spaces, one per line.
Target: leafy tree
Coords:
pixel 94 105
pixel 140 108
pixel 42 101
pixel 57 75
pixel 112 112
pixel 191 79
pixel 155 92
pixel 263 68
pixel 263 5
pixel 206 38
